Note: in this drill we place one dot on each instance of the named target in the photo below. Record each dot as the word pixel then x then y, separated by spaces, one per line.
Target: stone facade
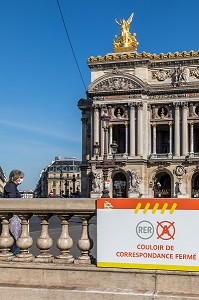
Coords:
pixel 153 104
pixel 61 178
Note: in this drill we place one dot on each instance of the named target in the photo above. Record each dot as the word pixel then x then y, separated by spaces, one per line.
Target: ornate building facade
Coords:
pixel 152 104
pixel 61 178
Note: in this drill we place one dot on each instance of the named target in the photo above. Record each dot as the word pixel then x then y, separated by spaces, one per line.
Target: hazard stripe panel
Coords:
pixel 148 204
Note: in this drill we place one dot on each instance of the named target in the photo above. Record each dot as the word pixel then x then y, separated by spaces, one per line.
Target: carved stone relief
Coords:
pixel 161 74
pixel 134 181
pixel 168 96
pixel 195 72
pixel 179 170
pixel 160 111
pixel 115 83
pixel 95 182
pixel 179 75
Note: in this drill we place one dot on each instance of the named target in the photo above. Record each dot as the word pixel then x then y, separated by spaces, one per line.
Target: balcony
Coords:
pixel 192 157
pixel 162 157
pixel 66 276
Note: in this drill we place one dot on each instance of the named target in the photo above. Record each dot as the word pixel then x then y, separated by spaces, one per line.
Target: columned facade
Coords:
pixel 152 102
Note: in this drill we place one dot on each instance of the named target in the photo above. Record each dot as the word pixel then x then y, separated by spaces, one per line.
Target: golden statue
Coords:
pixel 125 42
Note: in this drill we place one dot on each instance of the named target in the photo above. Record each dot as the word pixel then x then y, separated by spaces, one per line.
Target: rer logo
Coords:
pixel 145 230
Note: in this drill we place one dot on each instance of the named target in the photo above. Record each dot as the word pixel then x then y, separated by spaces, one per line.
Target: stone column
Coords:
pixel 126 138
pixel 177 130
pixel 6 240
pixel 184 129
pixel 84 139
pixel 65 242
pixel 132 129
pixel 85 243
pixel 191 113
pixel 153 111
pixel 154 139
pixel 149 116
pixel 25 241
pixel 44 242
pixel 191 138
pixel 140 129
pixel 110 137
pixel 170 139
pixel 102 135
pixel 96 124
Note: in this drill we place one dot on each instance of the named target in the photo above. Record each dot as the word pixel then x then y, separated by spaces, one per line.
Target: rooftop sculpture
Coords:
pixel 125 42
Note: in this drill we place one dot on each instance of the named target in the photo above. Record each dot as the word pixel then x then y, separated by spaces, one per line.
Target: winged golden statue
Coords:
pixel 125 41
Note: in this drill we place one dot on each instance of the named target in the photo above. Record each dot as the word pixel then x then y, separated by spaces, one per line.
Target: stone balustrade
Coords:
pixel 44 276
pixel 65 209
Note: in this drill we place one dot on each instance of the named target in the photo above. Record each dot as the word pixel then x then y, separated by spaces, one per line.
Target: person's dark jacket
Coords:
pixel 11 191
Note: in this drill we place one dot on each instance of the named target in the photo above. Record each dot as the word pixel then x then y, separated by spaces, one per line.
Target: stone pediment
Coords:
pixel 115 84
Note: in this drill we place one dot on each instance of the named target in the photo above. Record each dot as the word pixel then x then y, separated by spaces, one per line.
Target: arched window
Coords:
pixel 119 186
pixel 195 185
pixel 162 185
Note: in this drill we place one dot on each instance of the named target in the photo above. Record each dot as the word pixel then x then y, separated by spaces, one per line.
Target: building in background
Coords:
pixel 27 194
pixel 147 104
pixel 61 178
pixel 3 180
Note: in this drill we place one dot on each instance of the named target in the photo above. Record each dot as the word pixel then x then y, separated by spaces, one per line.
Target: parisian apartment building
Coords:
pixel 61 178
pixel 150 103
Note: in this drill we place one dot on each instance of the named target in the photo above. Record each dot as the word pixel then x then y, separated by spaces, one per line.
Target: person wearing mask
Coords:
pixel 11 191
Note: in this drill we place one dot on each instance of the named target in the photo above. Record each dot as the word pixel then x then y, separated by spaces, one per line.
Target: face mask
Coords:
pixel 20 180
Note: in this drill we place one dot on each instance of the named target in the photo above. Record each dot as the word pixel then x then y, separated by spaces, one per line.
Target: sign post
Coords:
pixel 148 233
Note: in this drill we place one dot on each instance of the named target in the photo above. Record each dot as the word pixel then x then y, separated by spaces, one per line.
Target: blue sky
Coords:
pixel 39 81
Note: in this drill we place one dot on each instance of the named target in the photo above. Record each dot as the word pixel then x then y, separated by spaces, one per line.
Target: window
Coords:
pixel 119 137
pixel 162 139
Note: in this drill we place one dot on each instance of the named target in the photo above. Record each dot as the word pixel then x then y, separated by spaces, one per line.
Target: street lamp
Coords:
pixel 105 164
pixel 114 147
pixel 157 187
pixel 73 181
pixel 66 188
pixel 61 178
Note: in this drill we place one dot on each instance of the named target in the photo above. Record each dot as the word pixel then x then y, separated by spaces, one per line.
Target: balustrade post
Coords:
pixel 25 241
pixel 44 242
pixel 6 240
pixel 85 243
pixel 65 242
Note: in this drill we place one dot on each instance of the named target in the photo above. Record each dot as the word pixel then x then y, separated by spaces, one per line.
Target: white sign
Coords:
pixel 107 184
pixel 148 233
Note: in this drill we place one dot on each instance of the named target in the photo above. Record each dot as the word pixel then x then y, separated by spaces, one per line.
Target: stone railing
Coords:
pixel 67 276
pixel 65 209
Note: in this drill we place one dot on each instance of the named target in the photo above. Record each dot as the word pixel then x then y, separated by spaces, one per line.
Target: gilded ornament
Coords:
pixel 125 42
pixel 192 53
pixel 154 56
pixel 169 55
pixel 177 54
pixel 161 55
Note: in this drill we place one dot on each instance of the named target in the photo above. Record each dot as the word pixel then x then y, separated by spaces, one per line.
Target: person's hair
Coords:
pixel 15 174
